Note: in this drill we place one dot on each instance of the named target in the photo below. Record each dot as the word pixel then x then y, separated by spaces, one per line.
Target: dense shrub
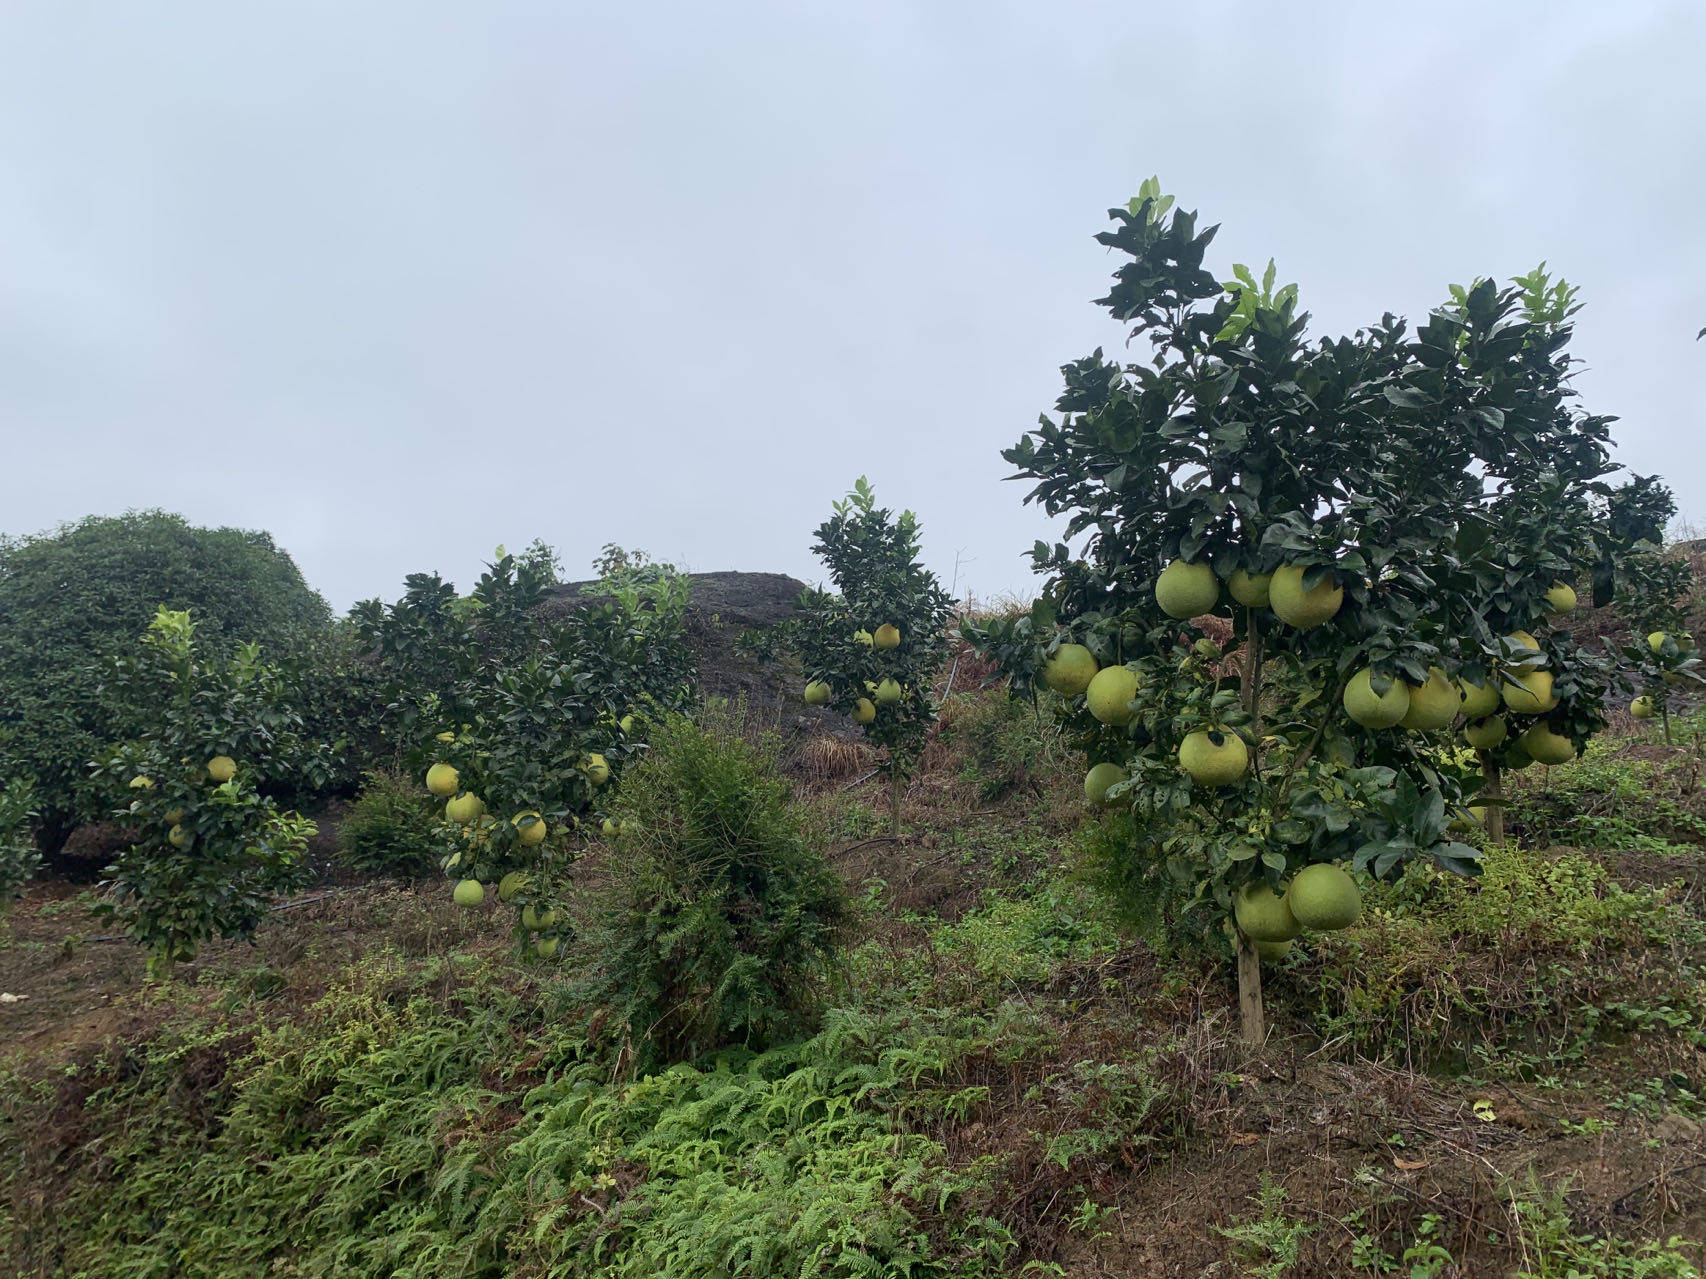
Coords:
pixel 1007 745
pixel 722 918
pixel 391 828
pixel 72 599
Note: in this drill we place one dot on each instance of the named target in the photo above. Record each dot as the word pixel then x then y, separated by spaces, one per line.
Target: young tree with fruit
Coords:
pixel 1650 590
pixel 208 849
pixel 521 720
pixel 1388 520
pixel 872 647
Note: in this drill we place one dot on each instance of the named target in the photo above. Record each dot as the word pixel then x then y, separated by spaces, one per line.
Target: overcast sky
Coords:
pixel 402 281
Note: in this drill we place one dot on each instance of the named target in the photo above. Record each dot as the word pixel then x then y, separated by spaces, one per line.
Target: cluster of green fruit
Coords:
pixel 1643 707
pixel 219 770
pixel 478 829
pixel 1214 758
pixel 884 692
pixel 1321 897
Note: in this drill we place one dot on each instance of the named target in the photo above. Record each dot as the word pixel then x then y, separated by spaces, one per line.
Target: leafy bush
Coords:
pixel 723 918
pixel 73 599
pixel 19 857
pixel 208 853
pixel 391 828
pixel 1007 744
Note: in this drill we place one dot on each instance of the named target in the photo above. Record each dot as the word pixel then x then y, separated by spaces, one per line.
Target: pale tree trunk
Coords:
pixel 1251 1016
pixel 894 798
pixel 1252 1020
pixel 1495 799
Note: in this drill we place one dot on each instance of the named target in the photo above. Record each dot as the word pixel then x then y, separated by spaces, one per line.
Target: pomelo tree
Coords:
pixel 522 716
pixel 873 646
pixel 208 849
pixel 1384 518
pixel 1650 590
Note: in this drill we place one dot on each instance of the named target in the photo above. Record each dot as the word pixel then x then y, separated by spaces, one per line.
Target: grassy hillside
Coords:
pixel 1503 1076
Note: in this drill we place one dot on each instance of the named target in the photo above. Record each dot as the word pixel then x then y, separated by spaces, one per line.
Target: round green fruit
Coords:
pixel 1561 598
pixel 179 838
pixel 469 892
pixel 888 692
pixel 1099 779
pixel 1070 670
pixel 443 780
pixel 1300 608
pixel 1250 589
pixel 1262 916
pixel 546 946
pixel 864 711
pixel 1274 951
pixel 1372 709
pixel 818 693
pixel 1324 898
pixel 610 828
pixel 1521 641
pixel 536 920
pixel 1642 707
pixel 887 636
pixel 865 638
pixel 447 737
pixel 532 833
pixel 626 724
pixel 466 807
pixel 141 782
pixel 1546 746
pixel 1479 700
pixel 511 884
pixel 1656 640
pixel 222 768
pixel 1187 590
pixel 1109 694
pixel 1433 704
pixel 1214 758
pixel 1486 734
pixel 1531 694
pixel 596 770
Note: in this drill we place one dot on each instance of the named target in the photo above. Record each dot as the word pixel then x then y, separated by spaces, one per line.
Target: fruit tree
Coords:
pixel 208 849
pixel 873 647
pixel 1386 519
pixel 1650 590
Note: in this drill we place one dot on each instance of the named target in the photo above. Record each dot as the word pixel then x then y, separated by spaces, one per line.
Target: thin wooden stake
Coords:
pixel 1251 1018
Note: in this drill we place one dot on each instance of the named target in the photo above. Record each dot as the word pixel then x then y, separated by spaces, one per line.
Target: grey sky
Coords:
pixel 399 282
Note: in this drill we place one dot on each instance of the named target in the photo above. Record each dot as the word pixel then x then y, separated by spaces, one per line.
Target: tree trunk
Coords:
pixel 894 798
pixel 1495 797
pixel 1252 1021
pixel 1252 1018
pixel 1664 718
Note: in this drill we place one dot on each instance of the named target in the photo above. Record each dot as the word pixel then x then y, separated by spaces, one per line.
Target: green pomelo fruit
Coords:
pixel 442 780
pixel 1300 608
pixel 1070 670
pixel 1214 763
pixel 1479 700
pixel 1109 693
pixel 1250 589
pixel 1546 746
pixel 1261 915
pixel 511 884
pixel 818 693
pixel 1187 590
pixel 1485 734
pixel 1372 709
pixel 1097 781
pixel 469 892
pixel 466 807
pixel 1433 704
pixel 1324 897
pixel 1531 694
